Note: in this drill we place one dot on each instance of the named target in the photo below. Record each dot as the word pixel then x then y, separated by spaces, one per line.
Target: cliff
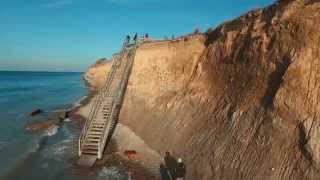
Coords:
pixel 238 102
pixel 96 74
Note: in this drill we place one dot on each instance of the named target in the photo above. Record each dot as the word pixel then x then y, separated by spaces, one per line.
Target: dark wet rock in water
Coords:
pixel 35 112
pixel 64 115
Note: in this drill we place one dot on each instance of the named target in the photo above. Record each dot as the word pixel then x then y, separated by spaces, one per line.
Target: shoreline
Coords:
pixel 143 165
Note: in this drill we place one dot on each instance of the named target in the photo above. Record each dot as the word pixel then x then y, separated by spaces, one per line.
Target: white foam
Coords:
pixel 110 173
pixel 67 120
pixel 58 110
pixel 78 103
pixel 59 151
pixel 52 130
pixel 34 146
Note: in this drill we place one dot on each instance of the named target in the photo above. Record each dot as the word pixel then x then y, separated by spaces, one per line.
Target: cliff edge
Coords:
pixel 238 102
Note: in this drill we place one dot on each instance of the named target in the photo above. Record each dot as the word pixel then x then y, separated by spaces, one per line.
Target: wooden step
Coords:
pixel 90 144
pixel 99 123
pixel 92 141
pixel 95 132
pixel 96 129
pixel 97 126
pixel 95 152
pixel 89 148
pixel 93 136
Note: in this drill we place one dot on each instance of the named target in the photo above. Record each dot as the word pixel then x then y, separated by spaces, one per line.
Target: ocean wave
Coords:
pixel 111 173
pixel 59 110
pixel 78 103
pixel 23 156
pixel 35 147
pixel 68 133
pixel 60 151
pixel 52 130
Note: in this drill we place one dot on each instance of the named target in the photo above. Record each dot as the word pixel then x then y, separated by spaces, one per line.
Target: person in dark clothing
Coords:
pixel 127 39
pixel 180 171
pixel 135 38
pixel 146 36
pixel 171 164
pixel 164 172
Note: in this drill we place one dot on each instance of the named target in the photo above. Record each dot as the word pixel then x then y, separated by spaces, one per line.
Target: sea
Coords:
pixel 48 154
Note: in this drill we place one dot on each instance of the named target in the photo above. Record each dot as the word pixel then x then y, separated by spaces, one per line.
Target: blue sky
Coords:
pixel 69 35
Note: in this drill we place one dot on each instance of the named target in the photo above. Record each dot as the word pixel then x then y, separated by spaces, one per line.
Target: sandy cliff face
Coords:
pixel 239 102
pixel 97 74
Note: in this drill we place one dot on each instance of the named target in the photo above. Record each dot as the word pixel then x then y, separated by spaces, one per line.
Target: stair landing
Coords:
pixel 87 160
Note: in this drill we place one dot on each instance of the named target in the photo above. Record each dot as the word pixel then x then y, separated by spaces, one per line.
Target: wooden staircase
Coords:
pixel 104 114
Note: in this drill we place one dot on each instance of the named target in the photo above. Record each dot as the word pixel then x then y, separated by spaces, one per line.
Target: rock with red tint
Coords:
pixel 35 112
pixel 131 154
pixel 39 126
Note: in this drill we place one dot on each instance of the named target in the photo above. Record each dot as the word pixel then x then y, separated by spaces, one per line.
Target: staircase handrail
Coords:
pixel 98 101
pixel 117 101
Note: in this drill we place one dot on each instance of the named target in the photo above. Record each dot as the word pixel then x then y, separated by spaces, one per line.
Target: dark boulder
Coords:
pixel 35 112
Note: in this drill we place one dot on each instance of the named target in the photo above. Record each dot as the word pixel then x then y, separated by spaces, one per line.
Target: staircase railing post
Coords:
pixel 99 151
pixel 79 147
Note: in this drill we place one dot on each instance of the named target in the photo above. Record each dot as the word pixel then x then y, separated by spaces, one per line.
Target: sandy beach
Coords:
pixel 144 164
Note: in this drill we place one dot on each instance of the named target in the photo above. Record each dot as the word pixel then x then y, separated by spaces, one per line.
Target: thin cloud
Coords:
pixel 58 3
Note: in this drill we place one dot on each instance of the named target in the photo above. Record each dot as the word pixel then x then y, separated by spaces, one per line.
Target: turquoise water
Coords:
pixel 44 155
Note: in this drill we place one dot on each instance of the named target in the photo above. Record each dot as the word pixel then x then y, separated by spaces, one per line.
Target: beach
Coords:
pixel 143 164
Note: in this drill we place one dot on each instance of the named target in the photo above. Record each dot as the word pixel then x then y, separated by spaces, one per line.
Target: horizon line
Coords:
pixel 41 71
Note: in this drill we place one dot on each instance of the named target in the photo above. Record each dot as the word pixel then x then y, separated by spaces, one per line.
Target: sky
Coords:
pixel 70 35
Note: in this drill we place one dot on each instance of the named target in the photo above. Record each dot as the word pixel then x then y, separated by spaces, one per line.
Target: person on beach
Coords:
pixel 180 171
pixel 171 164
pixel 164 172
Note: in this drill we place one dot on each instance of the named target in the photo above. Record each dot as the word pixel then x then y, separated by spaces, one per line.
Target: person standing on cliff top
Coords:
pixel 127 39
pixel 146 37
pixel 171 164
pixel 180 171
pixel 135 38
